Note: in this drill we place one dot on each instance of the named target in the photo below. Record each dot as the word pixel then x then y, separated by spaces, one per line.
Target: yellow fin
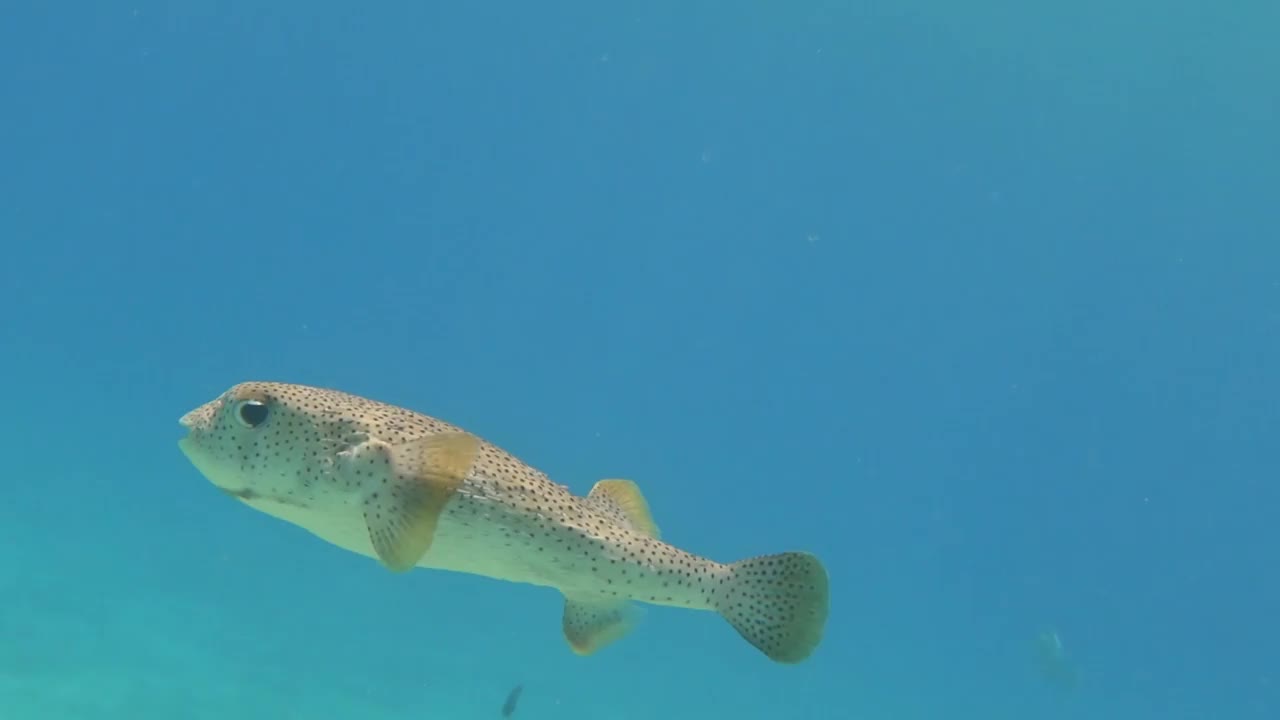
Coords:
pixel 424 474
pixel 623 498
pixel 592 624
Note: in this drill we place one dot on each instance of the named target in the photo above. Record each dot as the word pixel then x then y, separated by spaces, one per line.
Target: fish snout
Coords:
pixel 202 417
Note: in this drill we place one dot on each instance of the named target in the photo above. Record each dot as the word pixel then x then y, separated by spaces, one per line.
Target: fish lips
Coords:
pixel 191 449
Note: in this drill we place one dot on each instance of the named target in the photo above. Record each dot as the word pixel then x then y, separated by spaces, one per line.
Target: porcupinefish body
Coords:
pixel 409 490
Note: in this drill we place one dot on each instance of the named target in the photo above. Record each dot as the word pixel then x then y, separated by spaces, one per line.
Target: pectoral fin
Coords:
pixel 420 478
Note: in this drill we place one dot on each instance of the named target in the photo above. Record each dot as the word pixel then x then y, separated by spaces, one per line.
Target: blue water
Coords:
pixel 980 302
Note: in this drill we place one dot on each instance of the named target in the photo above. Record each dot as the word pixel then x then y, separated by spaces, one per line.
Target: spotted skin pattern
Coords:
pixel 410 491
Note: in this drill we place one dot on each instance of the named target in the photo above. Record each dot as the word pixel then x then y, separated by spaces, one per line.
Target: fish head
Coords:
pixel 270 441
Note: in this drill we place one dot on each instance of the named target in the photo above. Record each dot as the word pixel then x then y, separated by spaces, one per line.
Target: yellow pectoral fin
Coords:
pixel 422 475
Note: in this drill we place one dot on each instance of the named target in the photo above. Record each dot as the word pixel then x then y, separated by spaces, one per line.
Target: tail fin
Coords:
pixel 778 603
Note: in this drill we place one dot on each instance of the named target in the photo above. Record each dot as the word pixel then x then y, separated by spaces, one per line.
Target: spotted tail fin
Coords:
pixel 778 603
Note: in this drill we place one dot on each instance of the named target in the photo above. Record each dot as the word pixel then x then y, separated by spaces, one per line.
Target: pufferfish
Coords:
pixel 411 491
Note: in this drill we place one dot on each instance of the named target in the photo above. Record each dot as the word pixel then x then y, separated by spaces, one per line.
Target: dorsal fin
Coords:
pixel 622 499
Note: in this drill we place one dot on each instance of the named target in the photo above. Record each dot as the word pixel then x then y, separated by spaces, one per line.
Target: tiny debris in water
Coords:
pixel 513 697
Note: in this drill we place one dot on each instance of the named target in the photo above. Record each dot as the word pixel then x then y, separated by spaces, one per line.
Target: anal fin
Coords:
pixel 623 499
pixel 592 624
pixel 402 513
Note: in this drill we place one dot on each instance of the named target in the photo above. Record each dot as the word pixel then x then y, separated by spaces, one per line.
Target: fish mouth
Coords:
pixel 191 448
pixel 187 444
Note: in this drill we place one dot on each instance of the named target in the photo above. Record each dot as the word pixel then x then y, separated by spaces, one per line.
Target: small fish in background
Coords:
pixel 1055 667
pixel 513 697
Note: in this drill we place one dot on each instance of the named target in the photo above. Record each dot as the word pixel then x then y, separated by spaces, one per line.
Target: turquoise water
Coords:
pixel 979 302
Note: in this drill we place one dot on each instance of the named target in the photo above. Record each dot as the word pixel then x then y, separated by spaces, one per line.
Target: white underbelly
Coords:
pixel 478 548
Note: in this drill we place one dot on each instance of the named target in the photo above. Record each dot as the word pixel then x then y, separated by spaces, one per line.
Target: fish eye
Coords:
pixel 252 413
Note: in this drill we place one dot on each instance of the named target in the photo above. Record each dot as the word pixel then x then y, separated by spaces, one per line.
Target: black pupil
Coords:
pixel 253 413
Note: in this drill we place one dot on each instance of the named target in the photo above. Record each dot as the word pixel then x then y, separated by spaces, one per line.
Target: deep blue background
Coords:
pixel 979 302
